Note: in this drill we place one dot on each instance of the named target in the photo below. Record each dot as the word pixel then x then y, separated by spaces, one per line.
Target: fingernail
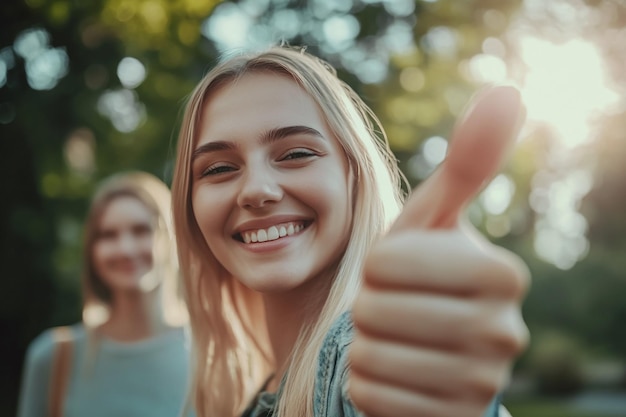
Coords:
pixel 508 103
pixel 507 97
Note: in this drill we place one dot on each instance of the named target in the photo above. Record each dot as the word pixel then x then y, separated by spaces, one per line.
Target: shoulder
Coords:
pixel 330 397
pixel 41 349
pixel 340 334
pixel 37 370
pixel 333 353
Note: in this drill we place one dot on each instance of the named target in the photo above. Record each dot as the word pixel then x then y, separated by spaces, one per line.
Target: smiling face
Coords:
pixel 271 185
pixel 122 251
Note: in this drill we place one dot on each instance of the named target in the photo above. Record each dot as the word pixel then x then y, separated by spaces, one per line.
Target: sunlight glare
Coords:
pixel 565 87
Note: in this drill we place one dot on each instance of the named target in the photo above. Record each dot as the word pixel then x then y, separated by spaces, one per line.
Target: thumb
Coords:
pixel 479 146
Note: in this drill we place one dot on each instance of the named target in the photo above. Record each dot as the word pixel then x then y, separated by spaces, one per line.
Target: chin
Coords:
pixel 268 282
pixel 127 285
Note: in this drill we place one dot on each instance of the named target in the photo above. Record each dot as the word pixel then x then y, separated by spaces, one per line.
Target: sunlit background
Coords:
pixel 89 89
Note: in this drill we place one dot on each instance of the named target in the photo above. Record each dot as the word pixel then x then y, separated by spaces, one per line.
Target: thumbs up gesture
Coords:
pixel 438 321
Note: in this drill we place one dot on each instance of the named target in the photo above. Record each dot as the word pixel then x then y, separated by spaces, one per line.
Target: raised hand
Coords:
pixel 438 318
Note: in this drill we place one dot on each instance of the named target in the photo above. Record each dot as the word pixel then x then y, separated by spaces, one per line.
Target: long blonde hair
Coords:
pixel 232 352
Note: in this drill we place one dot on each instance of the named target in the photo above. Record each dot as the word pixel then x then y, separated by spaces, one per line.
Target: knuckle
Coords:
pixel 375 261
pixel 511 272
pixel 483 379
pixel 360 395
pixel 486 390
pixel 484 384
pixel 502 330
pixel 508 341
pixel 523 338
pixel 362 307
pixel 359 353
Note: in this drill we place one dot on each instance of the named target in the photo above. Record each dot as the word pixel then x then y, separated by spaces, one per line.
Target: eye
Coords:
pixel 106 235
pixel 142 230
pixel 216 170
pixel 298 154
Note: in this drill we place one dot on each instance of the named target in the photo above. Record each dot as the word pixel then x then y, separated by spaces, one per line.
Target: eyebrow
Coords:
pixel 267 137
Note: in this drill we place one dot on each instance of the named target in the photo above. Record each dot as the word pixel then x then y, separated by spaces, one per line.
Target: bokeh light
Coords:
pixel 44 70
pixel 498 195
pixel 123 108
pixel 131 72
pixel 567 91
pixel 441 41
pixel 45 66
pixel 31 43
pixel 329 25
pixel 434 150
pixel 79 151
pixel 560 228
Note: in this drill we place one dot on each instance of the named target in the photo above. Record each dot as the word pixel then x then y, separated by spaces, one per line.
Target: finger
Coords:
pixel 412 261
pixel 487 329
pixel 478 147
pixel 375 398
pixel 433 371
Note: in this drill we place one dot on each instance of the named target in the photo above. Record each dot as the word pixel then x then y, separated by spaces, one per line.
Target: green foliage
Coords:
pixel 548 408
pixel 555 363
pixel 48 136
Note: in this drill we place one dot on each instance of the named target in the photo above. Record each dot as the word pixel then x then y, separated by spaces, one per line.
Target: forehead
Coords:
pixel 255 102
pixel 124 209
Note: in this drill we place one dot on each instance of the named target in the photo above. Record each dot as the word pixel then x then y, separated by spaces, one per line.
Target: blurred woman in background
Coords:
pixel 128 356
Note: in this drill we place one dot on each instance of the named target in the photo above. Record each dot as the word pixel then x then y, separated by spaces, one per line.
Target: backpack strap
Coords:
pixel 61 367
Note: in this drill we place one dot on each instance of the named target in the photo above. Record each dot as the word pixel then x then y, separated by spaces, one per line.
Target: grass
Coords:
pixel 548 408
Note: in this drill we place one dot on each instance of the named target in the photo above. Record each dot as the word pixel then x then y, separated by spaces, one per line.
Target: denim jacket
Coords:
pixel 330 398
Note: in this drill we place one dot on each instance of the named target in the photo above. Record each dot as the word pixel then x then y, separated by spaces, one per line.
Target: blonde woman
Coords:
pixel 284 189
pixel 128 357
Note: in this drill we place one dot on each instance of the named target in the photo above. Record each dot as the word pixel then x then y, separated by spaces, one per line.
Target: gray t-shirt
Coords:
pixel 144 378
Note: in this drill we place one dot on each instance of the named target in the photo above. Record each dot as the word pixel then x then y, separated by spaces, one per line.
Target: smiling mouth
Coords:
pixel 271 233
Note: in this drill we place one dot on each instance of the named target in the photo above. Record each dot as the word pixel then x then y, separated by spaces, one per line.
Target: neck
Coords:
pixel 134 316
pixel 286 315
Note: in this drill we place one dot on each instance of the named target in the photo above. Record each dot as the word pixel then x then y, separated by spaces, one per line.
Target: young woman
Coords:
pixel 283 189
pixel 130 359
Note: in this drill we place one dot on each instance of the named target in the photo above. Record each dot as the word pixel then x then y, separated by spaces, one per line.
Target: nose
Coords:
pixel 127 244
pixel 259 188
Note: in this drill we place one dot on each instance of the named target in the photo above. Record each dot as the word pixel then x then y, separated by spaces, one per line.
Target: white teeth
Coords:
pixel 272 233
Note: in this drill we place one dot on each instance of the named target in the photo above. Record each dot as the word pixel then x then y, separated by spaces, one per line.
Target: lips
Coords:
pixel 271 233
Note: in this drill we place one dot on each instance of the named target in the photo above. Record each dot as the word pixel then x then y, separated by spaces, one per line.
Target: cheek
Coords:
pixel 210 212
pixel 152 247
pixel 332 201
pixel 342 204
pixel 338 188
pixel 99 253
pixel 99 258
